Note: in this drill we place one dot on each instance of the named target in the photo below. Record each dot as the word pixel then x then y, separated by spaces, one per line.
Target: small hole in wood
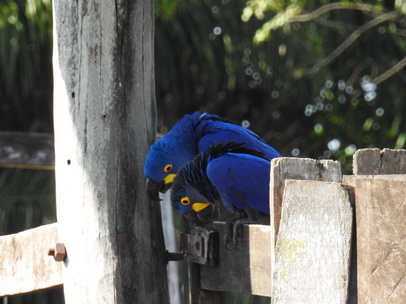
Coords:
pixel 73 94
pixel 68 161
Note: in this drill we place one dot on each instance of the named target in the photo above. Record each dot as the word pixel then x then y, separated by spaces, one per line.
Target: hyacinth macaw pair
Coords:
pixel 214 160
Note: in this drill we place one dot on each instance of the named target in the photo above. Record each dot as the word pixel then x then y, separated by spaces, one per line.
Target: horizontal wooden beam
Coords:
pixel 244 268
pixel 352 179
pixel 24 262
pixel 27 150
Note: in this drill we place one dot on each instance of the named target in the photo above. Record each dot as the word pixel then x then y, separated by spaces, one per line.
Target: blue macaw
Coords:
pixel 191 135
pixel 229 173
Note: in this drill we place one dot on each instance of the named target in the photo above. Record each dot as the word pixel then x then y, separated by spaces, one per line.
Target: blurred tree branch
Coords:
pixel 392 71
pixel 335 6
pixel 350 40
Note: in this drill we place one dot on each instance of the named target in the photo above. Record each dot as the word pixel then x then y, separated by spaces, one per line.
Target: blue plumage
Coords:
pixel 191 135
pixel 230 173
pixel 242 181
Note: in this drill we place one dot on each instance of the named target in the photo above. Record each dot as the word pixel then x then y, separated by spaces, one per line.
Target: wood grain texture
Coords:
pixel 351 179
pixel 375 161
pixel 381 240
pixel 245 268
pixel 284 168
pixel 24 262
pixel 312 255
pixel 104 113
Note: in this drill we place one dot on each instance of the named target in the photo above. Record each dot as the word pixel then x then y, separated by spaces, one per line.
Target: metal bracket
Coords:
pixel 200 245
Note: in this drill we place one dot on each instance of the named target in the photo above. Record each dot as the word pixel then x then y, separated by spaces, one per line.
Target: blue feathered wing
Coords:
pixel 242 181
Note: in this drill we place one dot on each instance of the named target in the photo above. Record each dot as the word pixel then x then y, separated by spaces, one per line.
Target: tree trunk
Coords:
pixel 104 111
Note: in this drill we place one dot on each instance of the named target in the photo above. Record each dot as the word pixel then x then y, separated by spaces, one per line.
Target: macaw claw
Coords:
pixel 234 232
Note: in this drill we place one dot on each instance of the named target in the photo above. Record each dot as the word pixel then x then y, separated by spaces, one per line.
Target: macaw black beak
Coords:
pixel 192 217
pixel 202 217
pixel 153 189
pixel 206 214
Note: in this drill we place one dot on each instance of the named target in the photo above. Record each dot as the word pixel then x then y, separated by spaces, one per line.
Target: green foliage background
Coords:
pixel 302 74
pixel 310 88
pixel 315 79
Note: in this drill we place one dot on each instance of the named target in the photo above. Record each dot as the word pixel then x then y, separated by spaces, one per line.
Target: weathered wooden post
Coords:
pixel 313 246
pixel 312 214
pixel 104 111
pixel 379 181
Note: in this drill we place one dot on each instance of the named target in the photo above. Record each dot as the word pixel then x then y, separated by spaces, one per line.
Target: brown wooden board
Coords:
pixel 27 150
pixel 245 268
pixel 24 262
pixel 312 255
pixel 381 240
pixel 375 161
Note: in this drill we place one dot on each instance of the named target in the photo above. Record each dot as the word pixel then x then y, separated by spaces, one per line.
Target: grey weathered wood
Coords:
pixel 312 255
pixel 375 161
pixel 27 150
pixel 381 240
pixel 104 113
pixel 246 268
pixel 297 168
pixel 24 262
pixel 193 292
pixel 351 179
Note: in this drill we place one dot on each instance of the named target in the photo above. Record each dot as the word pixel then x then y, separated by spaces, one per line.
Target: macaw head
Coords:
pixel 192 193
pixel 164 159
pixel 191 203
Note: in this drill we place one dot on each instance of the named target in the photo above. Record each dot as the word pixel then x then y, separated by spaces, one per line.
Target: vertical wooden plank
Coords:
pixel 24 262
pixel 170 245
pixel 104 113
pixel 381 240
pixel 393 161
pixel 312 254
pixel 297 168
pixel 375 161
pixel 366 162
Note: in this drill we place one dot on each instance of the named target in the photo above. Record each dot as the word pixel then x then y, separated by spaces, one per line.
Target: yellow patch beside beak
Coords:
pixel 169 178
pixel 200 206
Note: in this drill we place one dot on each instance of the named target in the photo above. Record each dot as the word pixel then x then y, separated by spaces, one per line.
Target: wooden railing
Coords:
pixel 332 239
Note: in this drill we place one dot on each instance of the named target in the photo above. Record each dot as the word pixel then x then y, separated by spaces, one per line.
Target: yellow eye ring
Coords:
pixel 185 201
pixel 168 168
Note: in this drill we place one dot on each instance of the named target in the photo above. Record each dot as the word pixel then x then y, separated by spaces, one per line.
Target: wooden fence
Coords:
pixel 332 239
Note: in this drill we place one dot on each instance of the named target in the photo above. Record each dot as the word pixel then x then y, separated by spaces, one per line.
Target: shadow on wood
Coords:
pixel 245 268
